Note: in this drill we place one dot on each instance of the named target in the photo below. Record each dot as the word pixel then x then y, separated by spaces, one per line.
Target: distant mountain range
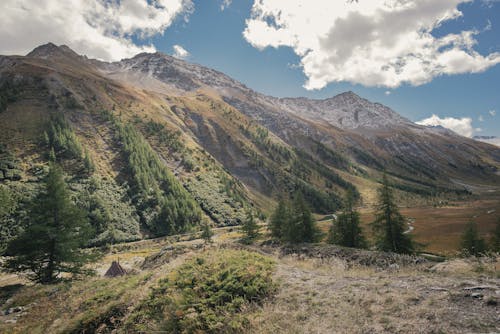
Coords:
pixel 230 148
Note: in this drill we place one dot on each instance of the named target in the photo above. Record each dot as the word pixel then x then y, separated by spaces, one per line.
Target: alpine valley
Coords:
pixel 154 145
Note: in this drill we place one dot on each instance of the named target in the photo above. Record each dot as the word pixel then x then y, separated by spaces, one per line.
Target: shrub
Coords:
pixel 210 293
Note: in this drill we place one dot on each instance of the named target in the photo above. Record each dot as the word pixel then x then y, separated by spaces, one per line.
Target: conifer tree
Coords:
pixel 346 230
pixel 250 229
pixel 52 155
pixel 472 243
pixel 300 227
pixel 389 224
pixel 206 233
pixel 279 219
pixel 51 242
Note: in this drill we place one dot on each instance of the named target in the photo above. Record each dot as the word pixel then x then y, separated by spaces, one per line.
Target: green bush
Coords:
pixel 210 293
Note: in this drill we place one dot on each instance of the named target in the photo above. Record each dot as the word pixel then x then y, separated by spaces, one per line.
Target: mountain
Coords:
pixel 488 139
pixel 153 145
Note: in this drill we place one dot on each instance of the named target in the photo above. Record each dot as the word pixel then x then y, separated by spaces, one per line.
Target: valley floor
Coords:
pixel 323 289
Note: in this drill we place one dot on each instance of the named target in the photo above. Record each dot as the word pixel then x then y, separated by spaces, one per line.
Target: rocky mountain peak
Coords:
pixel 50 50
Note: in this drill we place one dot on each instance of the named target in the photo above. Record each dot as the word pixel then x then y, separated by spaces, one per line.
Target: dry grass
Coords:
pixel 326 297
pixel 439 229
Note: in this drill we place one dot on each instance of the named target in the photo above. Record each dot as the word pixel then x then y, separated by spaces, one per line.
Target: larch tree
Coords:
pixel 472 243
pixel 346 229
pixel 389 225
pixel 53 239
pixel 250 229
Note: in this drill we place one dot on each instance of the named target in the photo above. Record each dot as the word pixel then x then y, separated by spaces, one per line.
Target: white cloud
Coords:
pixel 374 43
pixel 480 118
pixel 462 126
pixel 225 4
pixel 99 29
pixel 180 52
pixel 492 112
pixel 387 92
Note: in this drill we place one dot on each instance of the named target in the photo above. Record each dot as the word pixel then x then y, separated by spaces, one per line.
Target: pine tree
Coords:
pixel 472 243
pixel 206 233
pixel 495 238
pixel 250 229
pixel 279 219
pixel 51 242
pixel 300 226
pixel 389 224
pixel 346 230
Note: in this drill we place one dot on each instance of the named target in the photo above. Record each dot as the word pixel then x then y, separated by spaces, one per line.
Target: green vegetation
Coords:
pixel 110 212
pixel 346 229
pixel 472 243
pixel 389 224
pixel 62 139
pixel 330 156
pixel 212 293
pixel 51 242
pixel 88 163
pixel 6 201
pixel 206 233
pixel 167 137
pixel 8 94
pixel 293 222
pixel 163 204
pixel 220 196
pixel 8 165
pixel 495 238
pixel 250 229
pixel 287 170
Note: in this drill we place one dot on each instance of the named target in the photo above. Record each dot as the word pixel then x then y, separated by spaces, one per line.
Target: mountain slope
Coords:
pixel 366 134
pixel 152 145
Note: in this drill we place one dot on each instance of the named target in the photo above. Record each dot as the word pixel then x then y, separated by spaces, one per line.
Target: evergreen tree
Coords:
pixel 52 155
pixel 389 224
pixel 279 219
pixel 51 242
pixel 250 229
pixel 300 226
pixel 206 233
pixel 495 238
pixel 472 243
pixel 346 230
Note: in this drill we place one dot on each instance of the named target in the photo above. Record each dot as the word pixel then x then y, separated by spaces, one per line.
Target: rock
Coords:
pixel 477 295
pixel 17 309
pixel 11 321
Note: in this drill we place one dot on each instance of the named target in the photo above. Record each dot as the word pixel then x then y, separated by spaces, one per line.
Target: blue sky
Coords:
pixel 420 57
